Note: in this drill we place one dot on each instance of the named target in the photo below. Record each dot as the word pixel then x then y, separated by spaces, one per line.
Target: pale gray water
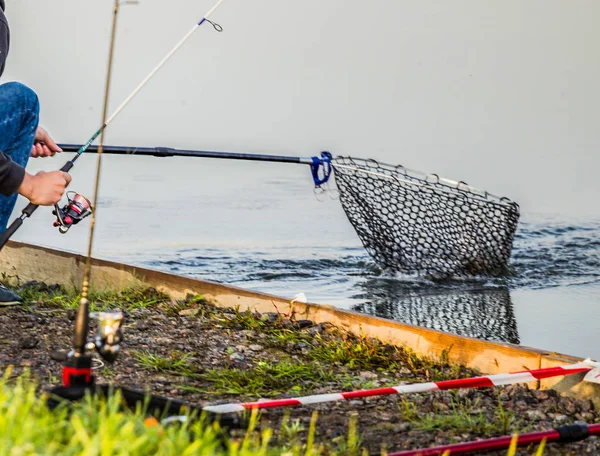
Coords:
pixel 501 96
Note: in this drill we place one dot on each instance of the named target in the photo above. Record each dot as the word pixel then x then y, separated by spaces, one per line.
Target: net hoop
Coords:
pixel 419 178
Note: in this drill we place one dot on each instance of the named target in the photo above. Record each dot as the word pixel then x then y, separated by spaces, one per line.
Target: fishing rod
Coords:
pixel 31 208
pixel 563 434
pixel 170 152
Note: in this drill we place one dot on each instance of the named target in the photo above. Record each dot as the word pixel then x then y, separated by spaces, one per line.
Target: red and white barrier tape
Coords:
pixel 474 382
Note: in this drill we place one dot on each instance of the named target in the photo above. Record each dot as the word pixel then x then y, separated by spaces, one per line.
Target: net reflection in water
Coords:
pixel 483 313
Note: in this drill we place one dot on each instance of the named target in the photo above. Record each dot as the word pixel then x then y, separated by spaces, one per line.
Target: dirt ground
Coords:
pixel 197 353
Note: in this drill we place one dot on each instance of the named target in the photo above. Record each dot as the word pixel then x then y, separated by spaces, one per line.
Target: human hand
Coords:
pixel 43 145
pixel 44 189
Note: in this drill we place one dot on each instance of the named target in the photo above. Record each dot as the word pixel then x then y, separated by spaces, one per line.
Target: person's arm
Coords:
pixel 11 175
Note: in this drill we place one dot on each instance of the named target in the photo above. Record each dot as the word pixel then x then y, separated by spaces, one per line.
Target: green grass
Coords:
pixel 68 298
pixel 268 379
pixel 93 427
pixel 247 320
pixel 103 427
pixel 356 353
pixel 203 307
pixel 341 348
pixel 463 416
pixel 176 364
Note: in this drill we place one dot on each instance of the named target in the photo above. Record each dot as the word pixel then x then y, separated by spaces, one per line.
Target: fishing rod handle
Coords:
pixel 14 226
pixel 30 208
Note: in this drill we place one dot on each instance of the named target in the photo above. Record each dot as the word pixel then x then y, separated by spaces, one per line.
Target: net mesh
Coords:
pixel 412 222
pixel 482 314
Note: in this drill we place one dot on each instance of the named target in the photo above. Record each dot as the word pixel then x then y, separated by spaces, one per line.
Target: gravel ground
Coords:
pixel 195 352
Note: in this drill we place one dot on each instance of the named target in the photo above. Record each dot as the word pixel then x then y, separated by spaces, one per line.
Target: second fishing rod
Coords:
pixel 78 206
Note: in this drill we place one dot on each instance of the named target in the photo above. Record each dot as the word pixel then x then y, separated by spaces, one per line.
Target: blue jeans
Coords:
pixel 19 117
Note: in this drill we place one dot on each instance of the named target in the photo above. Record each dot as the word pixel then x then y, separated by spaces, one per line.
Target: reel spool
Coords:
pixel 77 208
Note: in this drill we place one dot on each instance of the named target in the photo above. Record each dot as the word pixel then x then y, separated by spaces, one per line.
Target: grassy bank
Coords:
pixel 193 351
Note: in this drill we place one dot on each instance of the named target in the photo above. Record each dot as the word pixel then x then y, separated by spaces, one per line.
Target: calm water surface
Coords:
pixel 261 227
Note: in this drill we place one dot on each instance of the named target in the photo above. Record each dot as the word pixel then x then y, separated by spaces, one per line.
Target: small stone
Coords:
pixel 236 357
pixel 241 348
pixel 270 317
pixel 536 415
pixel 189 312
pixel 401 427
pixel 385 416
pixel 566 405
pixel 440 406
pixel 256 348
pixel 585 406
pixel 29 343
pixel 527 399
pixel 304 324
pixel 357 403
pixel 548 403
pixel 558 418
pixel 504 397
pixel 463 393
pixel 314 330
pixel 366 375
pixel 588 417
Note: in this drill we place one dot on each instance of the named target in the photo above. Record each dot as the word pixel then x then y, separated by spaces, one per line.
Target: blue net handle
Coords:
pixel 324 163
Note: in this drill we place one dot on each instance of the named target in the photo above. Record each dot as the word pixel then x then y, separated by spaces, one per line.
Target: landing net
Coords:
pixel 413 222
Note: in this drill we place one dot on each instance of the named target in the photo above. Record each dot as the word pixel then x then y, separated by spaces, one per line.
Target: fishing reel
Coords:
pixel 77 208
pixel 108 337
